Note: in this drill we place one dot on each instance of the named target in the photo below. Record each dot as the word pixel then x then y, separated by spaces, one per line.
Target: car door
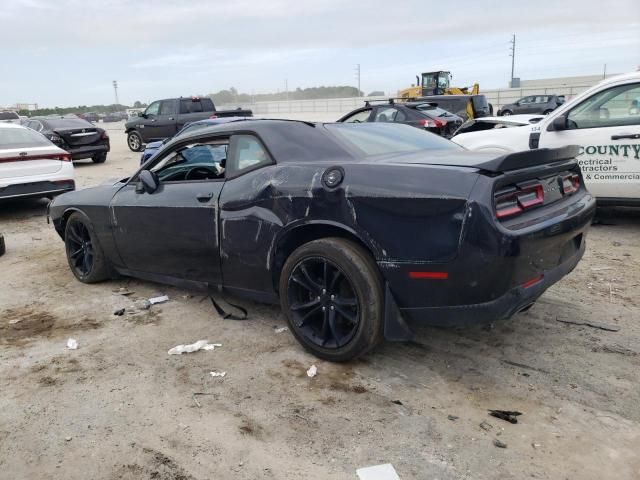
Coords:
pixel 523 105
pixel 173 232
pixel 249 220
pixel 606 126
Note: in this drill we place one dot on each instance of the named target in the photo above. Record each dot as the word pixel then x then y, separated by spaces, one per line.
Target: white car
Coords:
pixel 480 124
pixel 32 166
pixel 603 121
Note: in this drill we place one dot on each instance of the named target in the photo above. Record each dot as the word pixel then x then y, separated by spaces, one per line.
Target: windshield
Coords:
pixel 21 138
pixel 8 116
pixel 67 123
pixel 433 111
pixel 387 138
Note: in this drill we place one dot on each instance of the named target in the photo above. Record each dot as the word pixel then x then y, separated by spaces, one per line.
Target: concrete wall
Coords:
pixel 328 110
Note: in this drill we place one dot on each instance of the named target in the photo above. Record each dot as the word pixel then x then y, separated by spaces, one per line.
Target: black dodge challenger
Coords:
pixel 358 230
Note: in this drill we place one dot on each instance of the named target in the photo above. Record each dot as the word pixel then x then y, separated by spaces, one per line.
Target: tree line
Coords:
pixel 232 95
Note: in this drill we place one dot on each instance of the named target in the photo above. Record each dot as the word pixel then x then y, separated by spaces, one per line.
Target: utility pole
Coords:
pixel 604 72
pixel 115 89
pixel 358 77
pixel 513 57
pixel 286 88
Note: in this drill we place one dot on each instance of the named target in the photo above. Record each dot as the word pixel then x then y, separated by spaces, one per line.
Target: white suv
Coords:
pixel 32 166
pixel 603 121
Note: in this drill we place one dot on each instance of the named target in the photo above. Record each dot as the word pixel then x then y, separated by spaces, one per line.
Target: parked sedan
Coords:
pixel 423 115
pixel 9 117
pixel 32 166
pixel 357 230
pixel 544 104
pixel 75 135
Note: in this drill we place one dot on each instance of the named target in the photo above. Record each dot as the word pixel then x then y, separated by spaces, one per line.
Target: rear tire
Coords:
pixel 99 157
pixel 342 278
pixel 3 248
pixel 506 113
pixel 134 141
pixel 84 253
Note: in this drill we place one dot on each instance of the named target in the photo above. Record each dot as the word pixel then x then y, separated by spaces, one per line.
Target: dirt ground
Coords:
pixel 119 407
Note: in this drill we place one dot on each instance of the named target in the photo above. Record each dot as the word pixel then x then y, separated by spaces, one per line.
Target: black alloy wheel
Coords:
pixel 323 302
pixel 84 254
pixel 331 294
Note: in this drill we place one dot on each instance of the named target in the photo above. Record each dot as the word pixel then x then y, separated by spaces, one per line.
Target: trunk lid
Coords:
pixel 76 137
pixel 25 162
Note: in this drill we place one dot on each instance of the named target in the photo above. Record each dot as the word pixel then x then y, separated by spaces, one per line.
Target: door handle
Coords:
pixel 171 118
pixel 204 197
pixel 625 135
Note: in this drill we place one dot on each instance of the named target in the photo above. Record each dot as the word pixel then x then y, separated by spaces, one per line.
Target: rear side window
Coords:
pixel 246 152
pixel 386 138
pixel 21 138
pixel 9 116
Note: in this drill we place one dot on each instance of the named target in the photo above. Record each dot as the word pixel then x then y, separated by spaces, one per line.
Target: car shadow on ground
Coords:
pixel 22 208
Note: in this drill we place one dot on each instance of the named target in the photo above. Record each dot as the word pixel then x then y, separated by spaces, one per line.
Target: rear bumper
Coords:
pixel 37 189
pixel 497 272
pixel 501 308
pixel 87 151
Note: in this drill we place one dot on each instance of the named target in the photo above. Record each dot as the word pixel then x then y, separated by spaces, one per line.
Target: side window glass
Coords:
pixel 167 107
pixel 246 152
pixel 207 104
pixel 184 106
pixel 196 107
pixel 359 117
pixel 387 114
pixel 153 109
pixel 195 162
pixel 617 106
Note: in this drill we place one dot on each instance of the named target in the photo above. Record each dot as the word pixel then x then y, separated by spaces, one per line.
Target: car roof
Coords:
pixel 287 140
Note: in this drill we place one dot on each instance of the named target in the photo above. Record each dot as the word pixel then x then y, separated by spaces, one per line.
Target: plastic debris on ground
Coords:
pixel 193 347
pixel 499 444
pixel 280 329
pixel 218 374
pixel 312 372
pixel 378 472
pixel 119 312
pixel 508 415
pixel 160 299
pixel 72 344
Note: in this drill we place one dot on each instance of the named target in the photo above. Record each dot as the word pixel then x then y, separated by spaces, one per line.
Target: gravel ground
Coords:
pixel 119 407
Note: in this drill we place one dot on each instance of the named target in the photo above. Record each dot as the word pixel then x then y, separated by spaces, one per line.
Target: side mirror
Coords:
pixel 148 182
pixel 142 115
pixel 559 123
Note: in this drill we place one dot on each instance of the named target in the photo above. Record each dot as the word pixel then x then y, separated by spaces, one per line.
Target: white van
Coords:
pixel 603 121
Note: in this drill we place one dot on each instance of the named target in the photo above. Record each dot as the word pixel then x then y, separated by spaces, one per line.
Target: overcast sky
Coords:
pixel 67 52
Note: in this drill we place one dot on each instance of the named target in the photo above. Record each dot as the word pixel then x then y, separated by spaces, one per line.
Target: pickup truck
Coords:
pixel 164 118
pixel 604 121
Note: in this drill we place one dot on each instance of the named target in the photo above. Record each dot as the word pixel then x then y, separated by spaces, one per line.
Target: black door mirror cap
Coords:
pixel 559 123
pixel 148 181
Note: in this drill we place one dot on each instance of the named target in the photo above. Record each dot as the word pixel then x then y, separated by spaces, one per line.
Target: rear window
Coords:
pixel 9 116
pixel 188 105
pixel 21 138
pixel 67 123
pixel 433 111
pixel 388 138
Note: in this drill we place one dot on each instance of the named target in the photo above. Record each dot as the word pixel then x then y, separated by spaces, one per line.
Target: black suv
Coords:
pixel 544 104
pixel 164 118
pixel 422 115
pixel 77 136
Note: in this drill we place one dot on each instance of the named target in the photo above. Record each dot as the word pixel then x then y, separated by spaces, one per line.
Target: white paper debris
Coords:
pixel 14 321
pixel 72 344
pixel 280 329
pixel 193 347
pixel 161 299
pixel 217 374
pixel 378 472
pixel 313 370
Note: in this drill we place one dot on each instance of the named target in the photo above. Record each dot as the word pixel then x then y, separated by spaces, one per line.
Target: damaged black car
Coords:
pixel 357 230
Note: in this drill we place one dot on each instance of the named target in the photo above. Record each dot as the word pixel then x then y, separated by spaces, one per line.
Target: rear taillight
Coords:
pixel 213 116
pixel 570 183
pixel 104 136
pixel 516 199
pixel 63 157
pixel 432 123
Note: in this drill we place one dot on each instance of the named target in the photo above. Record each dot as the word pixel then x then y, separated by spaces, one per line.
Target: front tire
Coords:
pixel 99 157
pixel 331 294
pixel 84 254
pixel 134 141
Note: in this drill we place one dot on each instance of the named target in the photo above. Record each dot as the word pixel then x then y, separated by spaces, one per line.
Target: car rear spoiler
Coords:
pixel 529 158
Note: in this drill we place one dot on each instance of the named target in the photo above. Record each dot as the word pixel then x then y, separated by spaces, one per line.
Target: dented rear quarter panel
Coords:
pixel 401 213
